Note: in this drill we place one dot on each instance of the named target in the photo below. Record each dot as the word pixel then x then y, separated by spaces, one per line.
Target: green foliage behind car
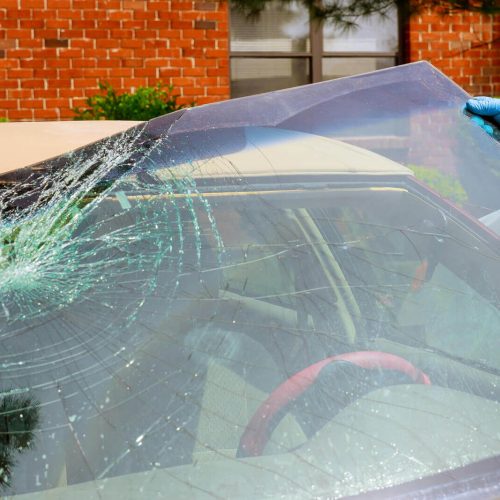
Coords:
pixel 143 104
pixel 445 184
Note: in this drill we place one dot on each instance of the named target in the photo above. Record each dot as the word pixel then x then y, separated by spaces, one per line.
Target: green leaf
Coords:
pixel 143 104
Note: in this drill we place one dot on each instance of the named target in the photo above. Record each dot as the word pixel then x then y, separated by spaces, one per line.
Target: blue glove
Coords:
pixel 487 107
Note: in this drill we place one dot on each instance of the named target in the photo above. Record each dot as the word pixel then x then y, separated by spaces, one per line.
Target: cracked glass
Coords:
pixel 290 295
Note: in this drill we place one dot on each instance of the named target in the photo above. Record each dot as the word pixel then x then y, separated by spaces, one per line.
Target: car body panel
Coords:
pixel 25 143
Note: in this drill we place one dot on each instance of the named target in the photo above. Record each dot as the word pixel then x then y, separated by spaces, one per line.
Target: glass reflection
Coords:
pixel 19 420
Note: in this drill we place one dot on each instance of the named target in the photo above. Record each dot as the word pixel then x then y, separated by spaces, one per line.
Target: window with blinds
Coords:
pixel 284 48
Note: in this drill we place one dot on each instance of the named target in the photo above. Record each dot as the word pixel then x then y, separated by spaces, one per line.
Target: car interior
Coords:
pixel 286 278
pixel 306 274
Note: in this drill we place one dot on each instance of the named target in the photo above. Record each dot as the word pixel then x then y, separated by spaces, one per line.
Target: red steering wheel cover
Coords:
pixel 255 437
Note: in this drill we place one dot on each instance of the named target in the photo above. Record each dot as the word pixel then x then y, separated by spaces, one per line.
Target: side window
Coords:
pixel 274 278
pixel 455 318
pixel 427 284
pixel 349 271
pixel 380 263
pixel 259 250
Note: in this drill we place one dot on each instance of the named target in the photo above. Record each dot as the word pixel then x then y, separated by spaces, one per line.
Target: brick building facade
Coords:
pixel 465 46
pixel 53 53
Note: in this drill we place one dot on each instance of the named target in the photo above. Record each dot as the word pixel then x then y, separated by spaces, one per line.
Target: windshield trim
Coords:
pixel 476 479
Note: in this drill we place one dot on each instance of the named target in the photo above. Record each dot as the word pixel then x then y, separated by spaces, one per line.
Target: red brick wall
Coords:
pixel 53 53
pixel 465 46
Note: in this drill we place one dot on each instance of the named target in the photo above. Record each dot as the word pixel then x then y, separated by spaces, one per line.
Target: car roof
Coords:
pixel 267 152
pixel 26 143
pixel 271 152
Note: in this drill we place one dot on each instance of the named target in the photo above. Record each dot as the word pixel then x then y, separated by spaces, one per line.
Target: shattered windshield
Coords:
pixel 288 295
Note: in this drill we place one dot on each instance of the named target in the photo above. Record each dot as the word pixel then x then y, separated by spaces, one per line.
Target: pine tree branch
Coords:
pixel 346 14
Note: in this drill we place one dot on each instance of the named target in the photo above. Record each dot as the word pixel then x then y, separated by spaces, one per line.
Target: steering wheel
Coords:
pixel 270 413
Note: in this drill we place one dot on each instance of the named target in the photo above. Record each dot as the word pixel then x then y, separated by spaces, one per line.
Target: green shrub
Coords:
pixel 445 184
pixel 144 104
pixel 3 119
